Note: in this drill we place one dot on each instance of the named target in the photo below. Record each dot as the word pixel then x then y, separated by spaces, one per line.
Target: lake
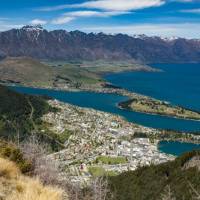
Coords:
pixel 108 103
pixel 177 148
pixel 178 83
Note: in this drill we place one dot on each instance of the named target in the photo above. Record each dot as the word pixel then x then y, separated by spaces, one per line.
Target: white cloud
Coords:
pixel 38 21
pixel 188 30
pixel 110 5
pixel 62 20
pixel 90 13
pixel 69 16
pixel 120 5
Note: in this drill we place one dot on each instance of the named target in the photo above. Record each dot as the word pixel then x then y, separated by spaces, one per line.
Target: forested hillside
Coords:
pixel 179 179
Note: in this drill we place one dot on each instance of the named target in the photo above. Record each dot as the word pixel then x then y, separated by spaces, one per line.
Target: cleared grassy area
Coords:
pixel 102 66
pixel 98 171
pixel 76 74
pixel 111 160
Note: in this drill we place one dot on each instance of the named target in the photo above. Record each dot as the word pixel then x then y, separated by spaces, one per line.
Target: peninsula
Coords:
pixel 86 76
pixel 153 106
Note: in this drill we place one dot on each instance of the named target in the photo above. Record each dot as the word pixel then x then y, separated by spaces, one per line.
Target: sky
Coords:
pixel 166 18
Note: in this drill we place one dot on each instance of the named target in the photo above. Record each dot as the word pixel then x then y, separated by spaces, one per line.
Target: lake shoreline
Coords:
pixel 118 91
pixel 112 88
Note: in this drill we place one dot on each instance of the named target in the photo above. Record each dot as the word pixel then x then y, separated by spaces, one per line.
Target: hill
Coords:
pixel 177 179
pixel 31 72
pixel 39 43
pixel 61 74
pixel 20 117
pixel 25 70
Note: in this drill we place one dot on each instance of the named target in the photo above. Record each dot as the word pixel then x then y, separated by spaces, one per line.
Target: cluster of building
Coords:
pixel 94 134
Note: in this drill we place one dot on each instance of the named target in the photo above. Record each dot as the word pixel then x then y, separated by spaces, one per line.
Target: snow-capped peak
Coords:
pixel 33 28
pixel 169 38
pixel 140 36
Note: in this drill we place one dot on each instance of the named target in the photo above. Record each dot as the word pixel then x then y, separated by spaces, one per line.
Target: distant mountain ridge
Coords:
pixel 36 42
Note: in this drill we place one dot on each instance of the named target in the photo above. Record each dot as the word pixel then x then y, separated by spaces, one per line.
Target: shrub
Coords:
pixel 11 152
pixel 15 186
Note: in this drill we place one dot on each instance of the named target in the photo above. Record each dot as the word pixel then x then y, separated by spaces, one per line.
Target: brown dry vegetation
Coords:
pixel 15 186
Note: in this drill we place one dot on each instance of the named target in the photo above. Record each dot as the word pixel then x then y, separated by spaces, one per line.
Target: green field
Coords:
pixel 111 160
pixel 97 171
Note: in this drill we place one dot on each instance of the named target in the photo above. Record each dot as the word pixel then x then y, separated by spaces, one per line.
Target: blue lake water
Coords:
pixel 177 148
pixel 179 84
pixel 108 102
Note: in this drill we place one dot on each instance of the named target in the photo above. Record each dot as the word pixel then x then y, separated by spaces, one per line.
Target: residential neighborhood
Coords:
pixel 94 135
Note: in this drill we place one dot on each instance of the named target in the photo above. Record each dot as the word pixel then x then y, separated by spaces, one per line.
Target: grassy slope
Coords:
pixel 150 182
pixel 11 152
pixel 102 66
pixel 76 74
pixel 30 72
pixel 15 186
pixel 26 71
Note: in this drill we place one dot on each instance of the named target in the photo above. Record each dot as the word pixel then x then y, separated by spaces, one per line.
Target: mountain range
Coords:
pixel 36 42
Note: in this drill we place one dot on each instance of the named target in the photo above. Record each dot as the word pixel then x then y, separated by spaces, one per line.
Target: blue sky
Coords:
pixel 152 17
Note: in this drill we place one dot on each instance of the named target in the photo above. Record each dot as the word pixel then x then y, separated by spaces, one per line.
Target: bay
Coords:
pixel 177 148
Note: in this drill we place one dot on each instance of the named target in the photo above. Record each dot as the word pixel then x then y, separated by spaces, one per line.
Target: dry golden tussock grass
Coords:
pixel 15 186
pixel 8 169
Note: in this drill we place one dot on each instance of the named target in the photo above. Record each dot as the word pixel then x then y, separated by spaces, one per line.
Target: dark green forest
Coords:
pixel 20 117
pixel 153 182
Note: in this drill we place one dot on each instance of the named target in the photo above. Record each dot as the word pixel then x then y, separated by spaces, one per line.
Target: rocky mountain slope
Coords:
pixel 39 43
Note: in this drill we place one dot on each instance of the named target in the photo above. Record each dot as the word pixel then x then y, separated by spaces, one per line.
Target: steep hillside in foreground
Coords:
pixel 15 186
pixel 18 112
pixel 179 179
pixel 20 117
pixel 62 45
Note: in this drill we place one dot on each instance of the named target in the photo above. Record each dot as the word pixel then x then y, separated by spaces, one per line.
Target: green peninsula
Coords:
pixel 153 106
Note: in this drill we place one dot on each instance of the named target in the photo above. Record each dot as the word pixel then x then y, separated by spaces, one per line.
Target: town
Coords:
pixel 99 143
